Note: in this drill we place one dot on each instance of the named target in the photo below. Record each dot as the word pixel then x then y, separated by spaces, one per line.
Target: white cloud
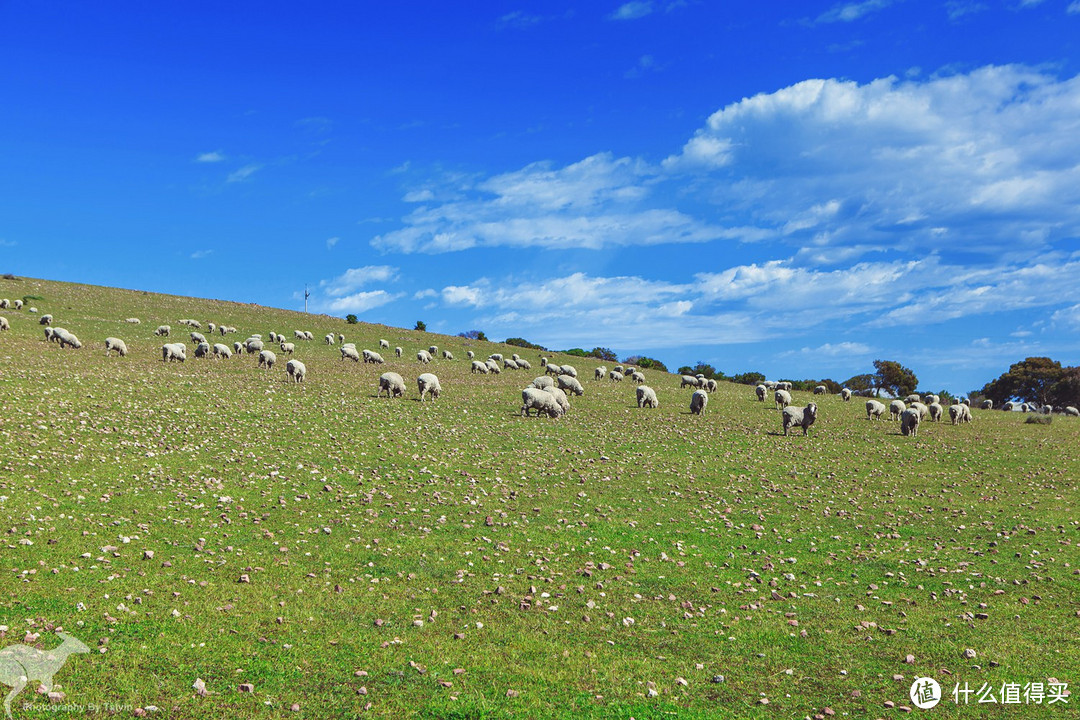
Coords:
pixel 843 350
pixel 355 278
pixel 210 157
pixel 331 242
pixel 847 12
pixel 425 293
pixel 243 173
pixel 632 10
pixel 1073 8
pixel 200 254
pixel 358 302
pixel 8 243
pixel 957 9
pixel 418 196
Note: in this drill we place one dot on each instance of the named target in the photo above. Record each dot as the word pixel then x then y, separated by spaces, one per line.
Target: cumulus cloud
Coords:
pixel 355 278
pixel 358 302
pixel 1073 8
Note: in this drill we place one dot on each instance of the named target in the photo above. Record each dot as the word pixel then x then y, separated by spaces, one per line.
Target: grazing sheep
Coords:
pixel 802 417
pixel 959 413
pixel 541 401
pixel 510 364
pixel 1008 407
pixel 543 361
pixel 299 334
pixel 936 411
pixel 374 358
pixel 341 339
pixel 924 411
pixel 447 355
pixel 910 419
pixel 434 350
pixel 112 343
pixel 423 356
pixel 479 367
pixel 965 401
pixel 874 409
pixel 845 394
pixel 32 309
pixel 515 357
pixel 781 399
pixel 470 354
pixel 543 383
pixel 267 358
pixel 553 369
pixel 211 327
pixel 258 336
pixel 523 364
pixel 275 338
pixel 348 352
pixel 1072 411
pixel 987 404
pixel 329 338
pixel 599 373
pixel 615 376
pixel 197 338
pixel 392 384
pixel 698 401
pixel 296 370
pixel 710 385
pixel 288 348
pixel 497 357
pixel 931 399
pixel 202 349
pixel 163 330
pixel 222 351
pixel 67 339
pixel 637 376
pixel 5 304
pixel 133 321
pixel 493 367
pixel 689 381
pixel 222 329
pixel 896 408
pixel 18 304
pixel 173 352
pixel 50 334
pixel 761 391
pixel 253 345
pixel 1046 410
pixel 45 320
pixel 619 369
pixel 1025 407
pixel 4 324
pixel 384 344
pixel 912 398
pixel 820 390
pixel 785 385
pixel 238 347
pixel 560 398
pixel 569 370
pixel 428 383
pixel 646 397
pixel 769 384
pixel 570 384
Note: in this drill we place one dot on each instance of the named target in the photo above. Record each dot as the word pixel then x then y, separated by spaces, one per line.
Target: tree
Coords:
pixel 1032 380
pixel 749 378
pixel 860 383
pixel 645 363
pixel 702 368
pixel 895 378
pixel 604 354
pixel 522 342
pixel 831 386
pixel 421 326
pixel 576 352
pixel 351 319
pixel 473 335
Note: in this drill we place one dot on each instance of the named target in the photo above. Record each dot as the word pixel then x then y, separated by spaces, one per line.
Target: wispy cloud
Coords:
pixel 210 157
pixel 850 11
pixel 243 173
pixel 957 9
pixel 1073 8
pixel 632 10
pixel 355 278
pixel 358 302
pixel 331 242
pixel 200 254
pixel 645 64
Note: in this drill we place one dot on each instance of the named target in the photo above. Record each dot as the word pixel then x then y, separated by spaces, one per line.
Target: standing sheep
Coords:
pixel 845 394
pixel 570 384
pixel 543 383
pixel 698 401
pixel 423 356
pixel 434 350
pixel 541 401
pixel 447 355
pixel 163 330
pixel 689 381
pixel 428 383
pixel 510 364
pixel 761 391
pixel 4 325
pixel 560 398
pixel 493 367
pixel 349 352
pixel 912 398
pixel 5 304
pixel 522 363
pixel 392 384
pixel 18 304
pixel 1072 411
pixel 253 345
pixel 211 327
pixel 909 420
pixel 288 348
pixel 569 370
pixel 874 410
pixel 710 385
pixel 329 338
pixel 479 367
pixel 924 411
pixel 646 397
pixel 374 358
pixel 173 352
pixel 553 369
pixel 599 373
pixel 45 320
pixel 202 349
pixel 896 408
pixel 67 339
pixel 398 351
pixel 781 399
pixel 615 376
pixel 497 357
pixel 936 411
pixel 267 358
pixel 987 404
pixel 132 320
pixel 296 370
pixel 197 338
pixel 341 339
pixel 384 344
pixel 299 335
pixel 470 354
pixel 820 390
pixel 959 413
pixel 112 343
pixel 802 417
pixel 637 376
pixel 222 350
pixel 238 347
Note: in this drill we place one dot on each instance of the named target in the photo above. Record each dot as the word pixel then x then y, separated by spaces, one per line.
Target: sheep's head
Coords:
pixel 811 410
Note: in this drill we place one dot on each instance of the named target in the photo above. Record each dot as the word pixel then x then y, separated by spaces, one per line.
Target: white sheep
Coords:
pixel 781 399
pixel 924 411
pixel 238 347
pixel 931 399
pixel 348 352
pixel 560 398
pixel 4 324
pixel 599 373
pixel 470 354
pixel 784 385
pixel 896 408
pixel 67 339
pixel 132 320
pixel 761 391
pixel 936 411
pixel 45 320
pixel 50 335
pixel 820 390
pixel 510 364
pixel 1046 410
pixel 541 401
pixel 202 349
pixel 374 358
pixel 384 344
pixel 497 357
pixel 493 367
pixel 910 419
pixel 845 394
pixel 615 376
pixel 542 383
pixel 341 339
pixel 710 385
pixel 423 356
pixel 570 384
pixel 434 350
pixel 275 338
pixel 646 397
pixel 398 351
pixel 113 343
pixel 478 367
pixel 211 327
pixel 163 330
pixel 267 358
pixel 959 413
pixel 637 376
pixel 569 370
pixel 698 402
pixel 515 357
pixel 392 384
pixel 197 338
pixel 296 370
pixel 288 348
pixel 689 381
pixel 874 409
pixel 524 364
pixel 428 383
pixel 912 398
pixel 253 345
pixel 769 384
pixel 222 329
pixel 222 351
pixel 329 338
pixel 5 304
pixel 543 361
pixel 802 417
pixel 965 401
pixel 447 355
pixel 18 304
pixel 1072 411
pixel 299 334
pixel 173 352
pixel 987 404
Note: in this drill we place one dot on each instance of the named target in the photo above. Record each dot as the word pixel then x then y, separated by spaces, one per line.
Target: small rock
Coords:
pixel 295 707
pixel 245 578
pixel 148 554
pixel 512 693
pixel 200 687
pixel 247 688
pixel 718 678
pixel 681 681
pixel 970 654
pixel 56 697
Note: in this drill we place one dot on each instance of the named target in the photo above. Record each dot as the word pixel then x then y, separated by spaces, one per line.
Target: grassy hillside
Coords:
pixel 386 558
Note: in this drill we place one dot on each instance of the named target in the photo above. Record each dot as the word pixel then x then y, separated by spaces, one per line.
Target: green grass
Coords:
pixel 534 542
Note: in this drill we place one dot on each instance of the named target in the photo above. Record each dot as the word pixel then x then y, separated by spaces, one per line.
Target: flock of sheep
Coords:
pixel 546 395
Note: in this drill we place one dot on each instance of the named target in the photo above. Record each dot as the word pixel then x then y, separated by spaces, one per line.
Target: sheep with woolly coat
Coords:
pixel 802 417
pixel 615 376
pixel 637 376
pixel 384 344
pixel 392 384
pixel 896 409
pixel 267 358
pixel 163 330
pixel 296 370
pixel 113 343
pixel 541 401
pixel 288 348
pixel 781 399
pixel 222 350
pixel 689 381
pixel 428 383
pixel 910 419
pixel 478 367
pixel 173 352
pixel 4 324
pixel 959 413
pixel 936 411
pixel 761 391
pixel 698 402
pixel 493 367
pixel 67 339
pixel 542 383
pixel 646 397
pixel 845 394
pixel 560 398
pixel 569 383
pixel 874 409
pixel 423 356
pixel 599 373
pixel 348 352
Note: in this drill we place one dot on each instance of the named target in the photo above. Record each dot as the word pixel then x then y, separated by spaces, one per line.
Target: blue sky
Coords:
pixel 793 188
